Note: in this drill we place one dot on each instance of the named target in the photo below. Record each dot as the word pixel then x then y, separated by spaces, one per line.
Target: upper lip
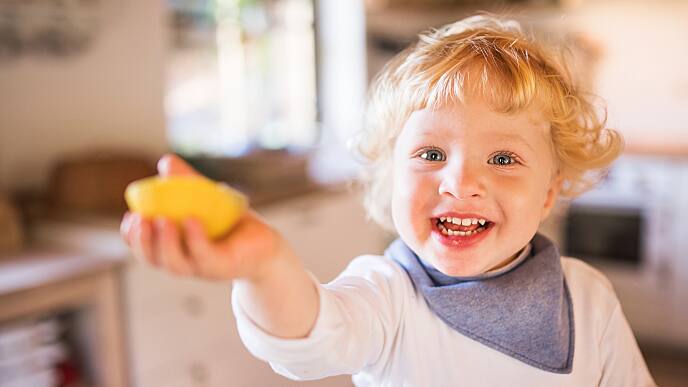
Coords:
pixel 461 215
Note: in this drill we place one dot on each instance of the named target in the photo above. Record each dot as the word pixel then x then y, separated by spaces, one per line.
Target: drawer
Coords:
pixel 226 366
pixel 187 318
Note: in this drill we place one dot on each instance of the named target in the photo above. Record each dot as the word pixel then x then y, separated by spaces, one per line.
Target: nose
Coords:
pixel 462 181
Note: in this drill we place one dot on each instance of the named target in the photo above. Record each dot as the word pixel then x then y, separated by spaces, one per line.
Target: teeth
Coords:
pixel 464 222
pixel 449 232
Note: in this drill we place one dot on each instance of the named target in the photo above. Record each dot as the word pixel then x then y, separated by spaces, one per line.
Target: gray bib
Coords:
pixel 522 310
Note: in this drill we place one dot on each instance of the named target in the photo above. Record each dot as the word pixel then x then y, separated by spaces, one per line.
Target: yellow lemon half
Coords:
pixel 216 205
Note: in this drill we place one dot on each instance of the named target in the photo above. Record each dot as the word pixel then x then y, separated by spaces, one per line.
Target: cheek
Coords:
pixel 523 198
pixel 413 189
pixel 412 198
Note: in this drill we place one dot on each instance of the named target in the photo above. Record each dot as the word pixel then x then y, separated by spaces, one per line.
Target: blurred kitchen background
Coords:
pixel 263 94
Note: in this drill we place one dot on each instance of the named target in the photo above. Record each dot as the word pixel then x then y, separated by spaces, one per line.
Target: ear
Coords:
pixel 552 194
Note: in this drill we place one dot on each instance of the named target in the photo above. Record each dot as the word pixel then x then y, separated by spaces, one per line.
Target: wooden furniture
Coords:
pixel 12 235
pixel 43 281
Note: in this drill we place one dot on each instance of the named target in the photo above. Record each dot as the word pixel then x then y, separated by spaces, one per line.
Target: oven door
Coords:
pixel 606 234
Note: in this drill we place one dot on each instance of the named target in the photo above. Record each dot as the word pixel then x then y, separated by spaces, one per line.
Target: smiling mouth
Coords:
pixel 462 227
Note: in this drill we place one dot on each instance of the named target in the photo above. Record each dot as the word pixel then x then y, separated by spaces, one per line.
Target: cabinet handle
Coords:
pixel 198 373
pixel 307 214
pixel 193 305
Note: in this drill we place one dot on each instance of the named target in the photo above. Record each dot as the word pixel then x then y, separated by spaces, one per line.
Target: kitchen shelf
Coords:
pixel 44 282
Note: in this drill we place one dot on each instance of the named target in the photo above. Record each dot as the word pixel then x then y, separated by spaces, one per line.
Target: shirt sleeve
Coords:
pixel 358 317
pixel 623 363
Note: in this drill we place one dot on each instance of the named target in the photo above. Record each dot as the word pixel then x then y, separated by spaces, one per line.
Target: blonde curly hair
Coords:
pixel 493 57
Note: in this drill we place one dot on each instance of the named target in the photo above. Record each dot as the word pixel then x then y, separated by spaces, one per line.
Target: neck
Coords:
pixel 505 262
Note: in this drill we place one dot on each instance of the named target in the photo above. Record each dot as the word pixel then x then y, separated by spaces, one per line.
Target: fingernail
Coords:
pixel 126 221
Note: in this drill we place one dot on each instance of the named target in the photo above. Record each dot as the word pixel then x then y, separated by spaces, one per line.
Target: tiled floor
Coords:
pixel 668 366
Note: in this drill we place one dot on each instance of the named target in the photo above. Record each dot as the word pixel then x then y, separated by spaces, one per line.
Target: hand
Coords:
pixel 248 251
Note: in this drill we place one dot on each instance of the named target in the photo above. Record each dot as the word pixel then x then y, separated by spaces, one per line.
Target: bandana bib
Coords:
pixel 522 310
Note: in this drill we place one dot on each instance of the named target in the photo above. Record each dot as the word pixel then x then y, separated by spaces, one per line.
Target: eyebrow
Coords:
pixel 515 138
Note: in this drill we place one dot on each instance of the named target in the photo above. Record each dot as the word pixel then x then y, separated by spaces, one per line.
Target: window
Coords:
pixel 241 76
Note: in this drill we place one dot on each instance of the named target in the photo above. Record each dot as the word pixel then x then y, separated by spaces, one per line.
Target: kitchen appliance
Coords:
pixel 629 219
pixel 632 228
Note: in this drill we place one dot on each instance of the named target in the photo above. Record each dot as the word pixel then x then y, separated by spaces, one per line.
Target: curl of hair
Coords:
pixel 483 55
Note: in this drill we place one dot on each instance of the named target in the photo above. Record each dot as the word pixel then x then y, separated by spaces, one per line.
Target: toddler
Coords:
pixel 473 134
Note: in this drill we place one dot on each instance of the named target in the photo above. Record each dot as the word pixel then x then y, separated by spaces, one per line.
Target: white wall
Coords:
pixel 110 96
pixel 642 74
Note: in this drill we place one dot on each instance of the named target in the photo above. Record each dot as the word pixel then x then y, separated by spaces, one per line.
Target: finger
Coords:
pixel 141 235
pixel 199 247
pixel 171 164
pixel 169 248
pixel 124 227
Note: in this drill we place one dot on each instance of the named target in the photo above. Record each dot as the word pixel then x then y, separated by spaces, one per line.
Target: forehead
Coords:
pixel 475 120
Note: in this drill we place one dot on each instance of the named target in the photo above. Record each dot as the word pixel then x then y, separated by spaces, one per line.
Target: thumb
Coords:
pixel 172 165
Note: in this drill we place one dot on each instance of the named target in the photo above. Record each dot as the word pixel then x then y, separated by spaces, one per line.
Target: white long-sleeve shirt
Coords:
pixel 373 325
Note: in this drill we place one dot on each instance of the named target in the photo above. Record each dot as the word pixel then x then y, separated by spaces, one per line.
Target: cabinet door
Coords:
pixel 168 315
pixel 327 231
pixel 216 369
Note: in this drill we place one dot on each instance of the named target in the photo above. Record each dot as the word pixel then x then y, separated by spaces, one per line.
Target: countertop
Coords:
pixel 39 266
pixel 59 251
pixel 73 245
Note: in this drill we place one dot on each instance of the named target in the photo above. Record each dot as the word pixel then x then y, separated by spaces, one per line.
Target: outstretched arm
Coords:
pixel 271 283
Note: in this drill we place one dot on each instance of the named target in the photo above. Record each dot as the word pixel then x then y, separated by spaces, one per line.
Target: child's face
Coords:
pixel 466 161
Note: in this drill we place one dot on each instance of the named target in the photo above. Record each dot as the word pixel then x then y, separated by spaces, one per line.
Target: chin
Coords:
pixel 458 269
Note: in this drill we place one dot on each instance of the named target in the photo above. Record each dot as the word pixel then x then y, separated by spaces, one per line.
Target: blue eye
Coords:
pixel 433 155
pixel 502 159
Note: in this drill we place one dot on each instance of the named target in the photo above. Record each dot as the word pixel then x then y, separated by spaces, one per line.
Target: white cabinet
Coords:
pixel 327 231
pixel 181 332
